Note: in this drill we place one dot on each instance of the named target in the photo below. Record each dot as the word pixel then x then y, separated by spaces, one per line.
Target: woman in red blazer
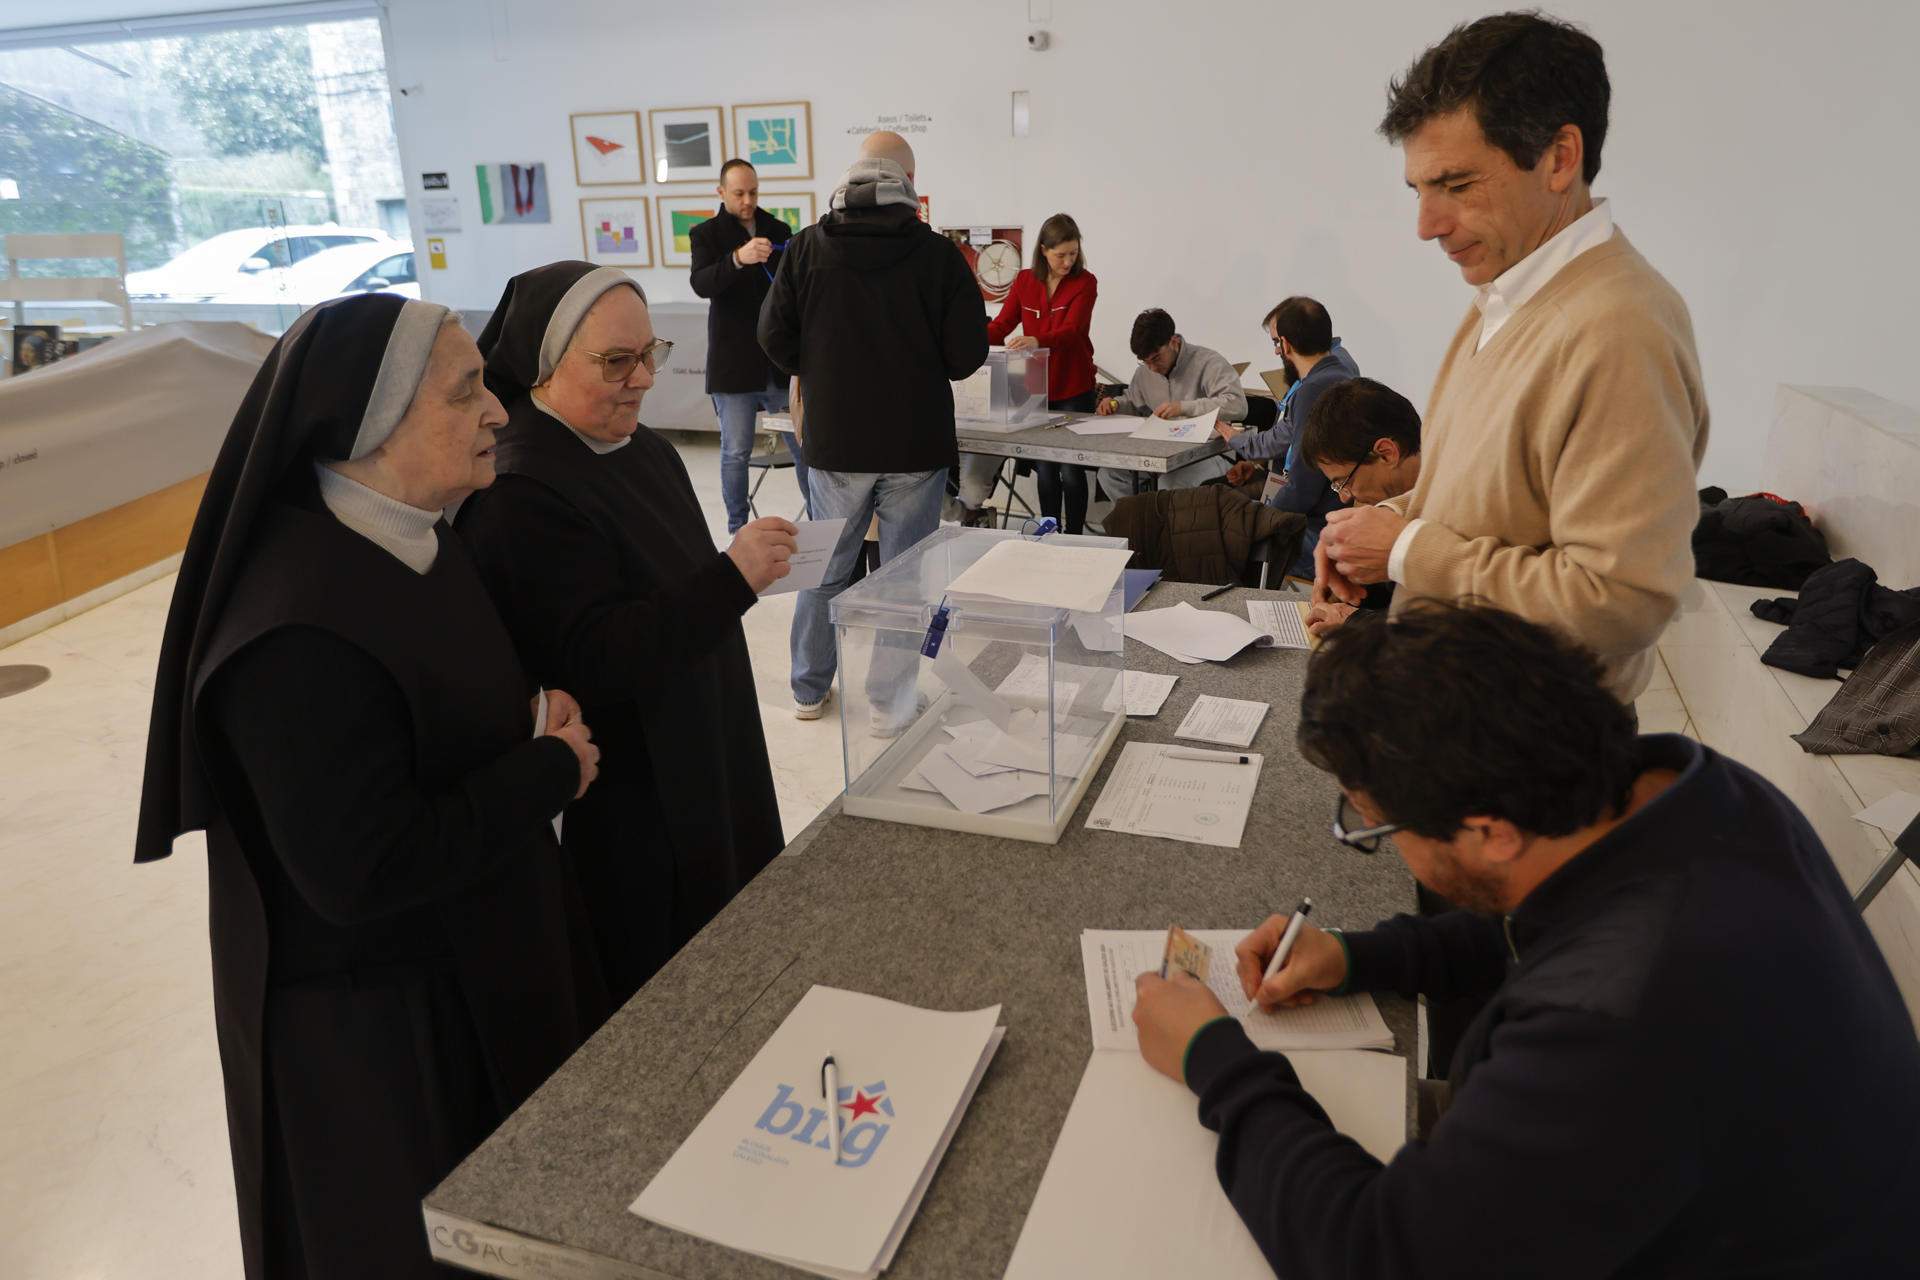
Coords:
pixel 1051 303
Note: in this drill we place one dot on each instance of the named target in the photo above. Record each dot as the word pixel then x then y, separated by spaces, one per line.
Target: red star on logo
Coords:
pixel 861 1104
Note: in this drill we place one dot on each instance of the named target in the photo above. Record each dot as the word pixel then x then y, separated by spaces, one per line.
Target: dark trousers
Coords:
pixel 1063 486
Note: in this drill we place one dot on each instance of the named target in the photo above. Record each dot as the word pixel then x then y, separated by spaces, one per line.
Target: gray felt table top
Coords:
pixel 942 920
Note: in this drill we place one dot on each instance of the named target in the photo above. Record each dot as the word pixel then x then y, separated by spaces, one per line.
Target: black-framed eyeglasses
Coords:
pixel 618 366
pixel 1343 487
pixel 1365 839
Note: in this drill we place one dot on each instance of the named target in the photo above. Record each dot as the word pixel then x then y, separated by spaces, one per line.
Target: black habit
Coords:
pixel 602 567
pixel 396 940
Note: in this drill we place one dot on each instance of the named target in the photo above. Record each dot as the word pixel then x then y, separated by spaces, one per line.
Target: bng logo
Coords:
pixel 864 1113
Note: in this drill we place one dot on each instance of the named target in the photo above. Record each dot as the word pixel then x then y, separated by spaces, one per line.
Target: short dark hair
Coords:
pixel 1524 74
pixel 1304 323
pixel 1349 416
pixel 1152 330
pixel 731 165
pixel 1054 232
pixel 1447 711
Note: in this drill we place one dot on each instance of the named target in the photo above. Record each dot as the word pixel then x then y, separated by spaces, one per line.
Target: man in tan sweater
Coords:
pixel 1568 418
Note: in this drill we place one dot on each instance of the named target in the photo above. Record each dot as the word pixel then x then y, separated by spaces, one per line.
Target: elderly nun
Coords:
pixel 598 556
pixel 398 945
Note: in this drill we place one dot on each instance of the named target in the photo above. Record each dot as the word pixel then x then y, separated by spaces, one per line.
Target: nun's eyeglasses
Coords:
pixel 1365 839
pixel 618 366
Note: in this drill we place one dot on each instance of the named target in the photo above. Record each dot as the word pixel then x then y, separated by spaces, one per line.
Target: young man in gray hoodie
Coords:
pixel 877 315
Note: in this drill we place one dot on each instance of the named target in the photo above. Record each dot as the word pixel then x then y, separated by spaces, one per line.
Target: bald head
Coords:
pixel 888 146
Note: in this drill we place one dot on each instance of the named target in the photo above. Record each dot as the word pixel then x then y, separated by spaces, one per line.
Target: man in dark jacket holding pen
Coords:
pixel 733 256
pixel 877 315
pixel 1693 1059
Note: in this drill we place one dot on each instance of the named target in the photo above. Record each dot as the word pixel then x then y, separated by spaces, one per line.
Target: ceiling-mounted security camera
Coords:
pixel 1038 41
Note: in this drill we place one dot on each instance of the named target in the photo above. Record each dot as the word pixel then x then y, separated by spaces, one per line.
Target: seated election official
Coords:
pixel 400 955
pixel 596 551
pixel 1175 379
pixel 1693 1060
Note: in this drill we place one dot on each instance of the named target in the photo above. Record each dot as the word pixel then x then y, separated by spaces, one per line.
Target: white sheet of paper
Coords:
pixel 1284 620
pixel 808 567
pixel 1229 721
pixel 978 795
pixel 1187 633
pixel 1114 424
pixel 1113 958
pixel 1044 572
pixel 756 1173
pixel 1199 801
pixel 1188 430
pixel 1130 1190
pixel 1892 813
pixel 1028 751
pixel 1146 692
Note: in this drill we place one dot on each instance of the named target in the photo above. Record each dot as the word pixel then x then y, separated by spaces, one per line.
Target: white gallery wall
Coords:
pixel 1220 154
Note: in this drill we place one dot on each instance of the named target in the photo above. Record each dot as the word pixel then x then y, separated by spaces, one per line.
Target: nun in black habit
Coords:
pixel 398 945
pixel 598 556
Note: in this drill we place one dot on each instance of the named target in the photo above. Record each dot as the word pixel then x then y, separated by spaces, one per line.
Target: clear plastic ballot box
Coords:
pixel 1007 393
pixel 970 713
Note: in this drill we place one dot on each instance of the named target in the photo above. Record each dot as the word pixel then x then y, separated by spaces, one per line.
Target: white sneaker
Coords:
pixel 887 724
pixel 811 710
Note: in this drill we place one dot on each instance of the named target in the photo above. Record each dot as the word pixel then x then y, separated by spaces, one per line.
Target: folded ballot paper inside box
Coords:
pixel 758 1172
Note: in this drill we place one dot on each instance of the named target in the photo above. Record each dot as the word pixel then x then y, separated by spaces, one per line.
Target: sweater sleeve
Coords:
pixel 1219 389
pixel 1459 953
pixel 714 272
pixel 580 625
pixel 358 834
pixel 1072 330
pixel 1615 441
pixel 1565 1153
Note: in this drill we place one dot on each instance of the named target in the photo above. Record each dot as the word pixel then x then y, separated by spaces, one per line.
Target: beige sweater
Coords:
pixel 1557 463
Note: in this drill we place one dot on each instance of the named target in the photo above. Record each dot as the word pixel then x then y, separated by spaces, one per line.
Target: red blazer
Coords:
pixel 1059 324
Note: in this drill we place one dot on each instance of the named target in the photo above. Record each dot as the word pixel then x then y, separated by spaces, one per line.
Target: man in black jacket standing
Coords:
pixel 733 254
pixel 877 315
pixel 1693 1059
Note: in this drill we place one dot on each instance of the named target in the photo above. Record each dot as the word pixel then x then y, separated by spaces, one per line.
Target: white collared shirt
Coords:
pixel 1511 290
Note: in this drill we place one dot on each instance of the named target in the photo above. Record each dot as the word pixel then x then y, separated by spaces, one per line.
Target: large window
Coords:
pixel 252 172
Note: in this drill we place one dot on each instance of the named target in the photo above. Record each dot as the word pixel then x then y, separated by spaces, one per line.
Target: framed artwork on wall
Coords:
pixel 689 143
pixel 679 215
pixel 607 151
pixel 994 254
pixel 616 231
pixel 776 138
pixel 795 208
pixel 512 193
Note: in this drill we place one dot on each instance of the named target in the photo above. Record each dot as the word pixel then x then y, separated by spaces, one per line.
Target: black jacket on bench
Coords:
pixel 1694 1063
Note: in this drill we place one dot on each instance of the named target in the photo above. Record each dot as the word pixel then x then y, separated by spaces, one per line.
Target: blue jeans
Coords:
pixel 736 410
pixel 909 508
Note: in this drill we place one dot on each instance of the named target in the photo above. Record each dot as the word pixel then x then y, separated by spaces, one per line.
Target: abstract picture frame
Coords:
pixel 795 208
pixel 617 231
pixel 776 138
pixel 689 143
pixel 678 216
pixel 608 150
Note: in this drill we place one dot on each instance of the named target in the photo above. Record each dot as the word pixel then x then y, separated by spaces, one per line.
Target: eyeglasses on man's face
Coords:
pixel 1347 828
pixel 1343 487
pixel 618 366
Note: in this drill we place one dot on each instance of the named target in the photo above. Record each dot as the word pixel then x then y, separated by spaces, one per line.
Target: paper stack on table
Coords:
pixel 1285 621
pixel 1115 957
pixel 1194 635
pixel 1140 693
pixel 757 1174
pixel 1131 1188
pixel 1152 793
pixel 985 767
pixel 1190 430
pixel 1231 722
pixel 1043 572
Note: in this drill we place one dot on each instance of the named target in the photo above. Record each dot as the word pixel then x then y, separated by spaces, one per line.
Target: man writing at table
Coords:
pixel 1568 417
pixel 1176 379
pixel 1694 1060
